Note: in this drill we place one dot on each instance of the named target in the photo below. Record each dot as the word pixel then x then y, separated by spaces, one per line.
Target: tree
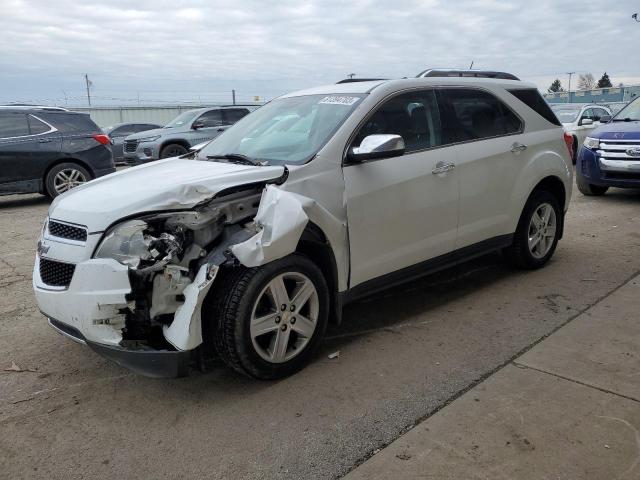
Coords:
pixel 556 86
pixel 586 82
pixel 604 81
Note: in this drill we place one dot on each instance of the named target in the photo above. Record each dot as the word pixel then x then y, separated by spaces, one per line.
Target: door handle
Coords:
pixel 442 168
pixel 44 140
pixel 518 147
pixel 221 129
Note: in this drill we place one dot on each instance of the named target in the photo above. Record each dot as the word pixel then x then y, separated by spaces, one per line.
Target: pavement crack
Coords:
pixel 579 382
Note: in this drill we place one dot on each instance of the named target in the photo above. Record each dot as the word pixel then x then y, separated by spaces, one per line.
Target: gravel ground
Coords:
pixel 403 354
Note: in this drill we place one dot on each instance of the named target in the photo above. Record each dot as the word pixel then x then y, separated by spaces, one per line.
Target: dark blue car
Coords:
pixel 610 155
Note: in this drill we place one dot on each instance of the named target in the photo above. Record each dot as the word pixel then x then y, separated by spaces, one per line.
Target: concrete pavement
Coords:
pixel 569 408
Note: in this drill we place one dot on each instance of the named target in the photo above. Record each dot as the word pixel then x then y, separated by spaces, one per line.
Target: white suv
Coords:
pixel 247 248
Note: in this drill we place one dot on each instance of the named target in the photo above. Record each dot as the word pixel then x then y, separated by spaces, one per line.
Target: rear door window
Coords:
pixel 477 115
pixel 13 125
pixel 414 116
pixel 232 115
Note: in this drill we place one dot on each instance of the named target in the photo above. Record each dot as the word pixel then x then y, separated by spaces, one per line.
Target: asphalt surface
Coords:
pixel 404 354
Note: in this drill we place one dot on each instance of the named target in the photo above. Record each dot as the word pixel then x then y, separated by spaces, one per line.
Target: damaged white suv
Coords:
pixel 246 249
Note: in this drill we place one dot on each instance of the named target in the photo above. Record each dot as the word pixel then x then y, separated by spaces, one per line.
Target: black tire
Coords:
pixel 226 323
pixel 588 189
pixel 50 179
pixel 172 150
pixel 574 147
pixel 519 253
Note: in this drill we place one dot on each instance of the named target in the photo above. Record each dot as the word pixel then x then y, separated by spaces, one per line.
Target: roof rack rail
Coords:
pixel 34 107
pixel 437 72
pixel 354 80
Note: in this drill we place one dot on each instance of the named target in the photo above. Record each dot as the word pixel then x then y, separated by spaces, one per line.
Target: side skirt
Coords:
pixel 427 267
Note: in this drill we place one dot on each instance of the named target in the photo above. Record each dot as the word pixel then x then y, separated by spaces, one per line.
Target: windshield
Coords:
pixel 182 119
pixel 285 131
pixel 566 115
pixel 630 112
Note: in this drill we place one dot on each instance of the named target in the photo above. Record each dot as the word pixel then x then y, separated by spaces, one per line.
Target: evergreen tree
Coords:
pixel 604 81
pixel 556 86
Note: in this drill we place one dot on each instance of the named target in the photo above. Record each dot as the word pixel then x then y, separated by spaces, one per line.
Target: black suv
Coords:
pixel 50 150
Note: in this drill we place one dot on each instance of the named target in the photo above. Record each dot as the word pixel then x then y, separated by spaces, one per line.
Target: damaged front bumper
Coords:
pixel 92 311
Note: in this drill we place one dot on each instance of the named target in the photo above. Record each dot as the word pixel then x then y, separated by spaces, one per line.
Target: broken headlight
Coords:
pixel 125 243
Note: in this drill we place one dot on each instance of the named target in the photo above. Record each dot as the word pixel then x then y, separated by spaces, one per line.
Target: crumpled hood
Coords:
pixel 618 131
pixel 164 185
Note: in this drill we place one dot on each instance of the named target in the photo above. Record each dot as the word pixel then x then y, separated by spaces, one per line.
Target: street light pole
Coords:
pixel 569 96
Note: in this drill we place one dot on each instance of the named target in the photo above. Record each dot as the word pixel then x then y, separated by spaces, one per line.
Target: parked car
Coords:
pixel 184 131
pixel 248 247
pixel 579 120
pixel 50 150
pixel 610 155
pixel 119 131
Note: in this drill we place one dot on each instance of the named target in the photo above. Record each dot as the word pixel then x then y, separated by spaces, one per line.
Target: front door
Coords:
pixel 402 210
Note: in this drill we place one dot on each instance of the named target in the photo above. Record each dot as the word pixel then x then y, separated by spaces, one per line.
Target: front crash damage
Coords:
pixel 166 265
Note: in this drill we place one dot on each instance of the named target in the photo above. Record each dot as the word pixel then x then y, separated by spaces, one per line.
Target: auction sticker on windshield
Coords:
pixel 338 100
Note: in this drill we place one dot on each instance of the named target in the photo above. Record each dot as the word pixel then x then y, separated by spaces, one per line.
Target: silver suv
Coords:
pixel 250 246
pixel 178 136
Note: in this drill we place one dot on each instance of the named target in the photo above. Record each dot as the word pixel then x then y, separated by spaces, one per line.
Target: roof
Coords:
pixel 368 86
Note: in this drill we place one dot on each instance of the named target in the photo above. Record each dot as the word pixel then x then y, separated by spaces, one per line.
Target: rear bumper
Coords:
pixel 104 171
pixel 150 363
pixel 607 173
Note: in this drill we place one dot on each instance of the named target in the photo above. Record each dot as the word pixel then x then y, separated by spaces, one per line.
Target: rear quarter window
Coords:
pixel 532 98
pixel 72 122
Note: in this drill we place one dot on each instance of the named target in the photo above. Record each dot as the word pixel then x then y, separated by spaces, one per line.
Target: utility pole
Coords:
pixel 233 95
pixel 88 84
pixel 351 75
pixel 471 66
pixel 569 90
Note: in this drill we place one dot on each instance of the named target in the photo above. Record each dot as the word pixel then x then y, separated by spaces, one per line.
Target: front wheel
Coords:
pixel 267 322
pixel 173 150
pixel 536 237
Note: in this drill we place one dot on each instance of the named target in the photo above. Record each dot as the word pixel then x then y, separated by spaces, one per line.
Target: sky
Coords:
pixel 170 51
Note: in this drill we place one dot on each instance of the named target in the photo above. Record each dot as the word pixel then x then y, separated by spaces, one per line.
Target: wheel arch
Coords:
pixel 314 244
pixel 175 141
pixel 555 186
pixel 57 162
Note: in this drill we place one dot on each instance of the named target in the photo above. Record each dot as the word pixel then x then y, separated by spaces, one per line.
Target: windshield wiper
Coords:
pixel 236 158
pixel 627 119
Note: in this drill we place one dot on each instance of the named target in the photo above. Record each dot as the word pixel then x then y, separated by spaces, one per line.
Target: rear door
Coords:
pixel 491 151
pixel 16 152
pixel 402 210
pixel 47 142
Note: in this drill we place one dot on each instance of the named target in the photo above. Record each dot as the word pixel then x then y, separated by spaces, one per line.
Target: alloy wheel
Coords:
pixel 67 179
pixel 542 230
pixel 284 317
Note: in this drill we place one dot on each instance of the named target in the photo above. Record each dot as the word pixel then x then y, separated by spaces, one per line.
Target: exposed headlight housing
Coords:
pixel 125 243
pixel 591 143
pixel 149 139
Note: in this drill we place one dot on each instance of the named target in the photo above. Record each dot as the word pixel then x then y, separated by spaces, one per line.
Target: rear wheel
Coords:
pixel 587 188
pixel 65 176
pixel 267 322
pixel 536 237
pixel 173 150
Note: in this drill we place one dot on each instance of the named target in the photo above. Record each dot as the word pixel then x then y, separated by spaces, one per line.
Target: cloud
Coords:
pixel 168 50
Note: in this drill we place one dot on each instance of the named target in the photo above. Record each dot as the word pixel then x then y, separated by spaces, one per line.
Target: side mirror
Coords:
pixel 197 125
pixel 377 146
pixel 605 118
pixel 586 121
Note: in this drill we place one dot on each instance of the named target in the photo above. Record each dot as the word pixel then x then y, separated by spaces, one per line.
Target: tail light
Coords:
pixel 101 138
pixel 568 139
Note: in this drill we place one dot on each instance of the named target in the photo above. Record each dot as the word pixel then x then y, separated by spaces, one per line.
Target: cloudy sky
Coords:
pixel 199 50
